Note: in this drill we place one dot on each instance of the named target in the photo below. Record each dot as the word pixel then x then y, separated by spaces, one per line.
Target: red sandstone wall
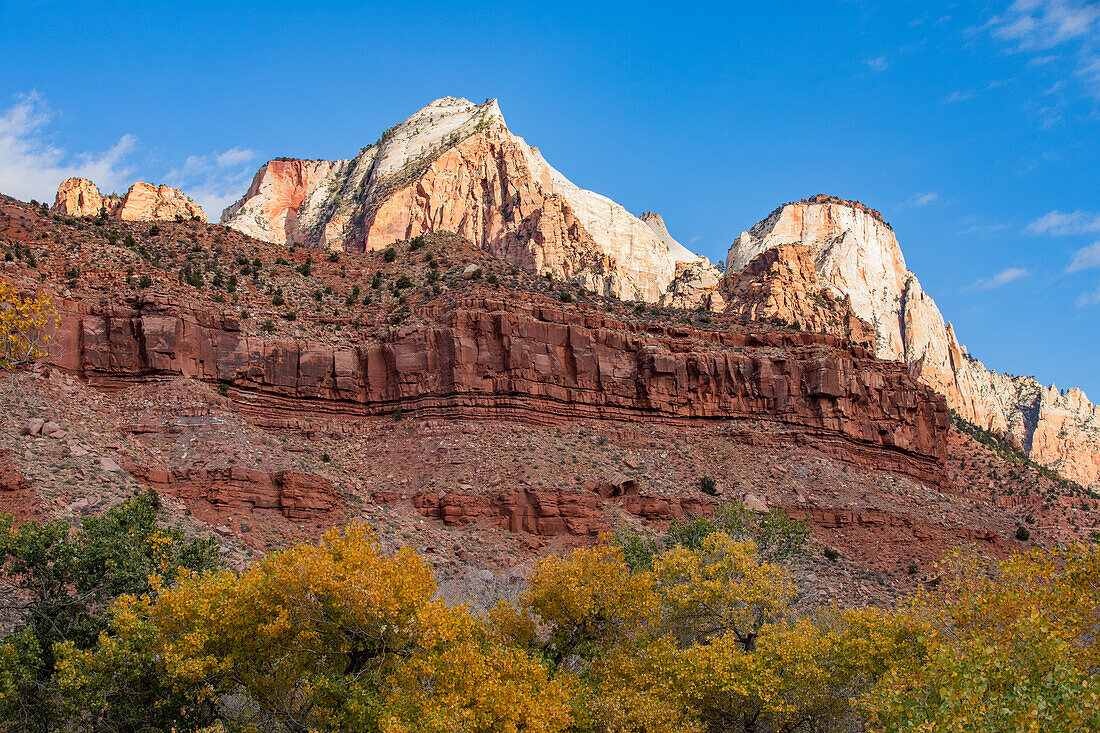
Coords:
pixel 528 360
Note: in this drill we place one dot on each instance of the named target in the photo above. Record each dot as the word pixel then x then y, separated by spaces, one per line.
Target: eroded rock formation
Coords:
pixel 455 166
pixel 298 496
pixel 856 258
pixel 142 202
pixel 533 361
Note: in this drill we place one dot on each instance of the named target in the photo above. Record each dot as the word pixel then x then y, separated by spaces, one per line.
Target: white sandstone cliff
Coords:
pixel 857 255
pixel 455 166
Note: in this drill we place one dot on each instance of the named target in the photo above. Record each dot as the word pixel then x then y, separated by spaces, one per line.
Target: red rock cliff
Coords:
pixel 536 361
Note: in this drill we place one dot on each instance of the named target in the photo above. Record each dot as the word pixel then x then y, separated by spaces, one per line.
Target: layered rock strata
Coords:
pixel 856 258
pixel 142 202
pixel 455 166
pixel 298 496
pixel 535 361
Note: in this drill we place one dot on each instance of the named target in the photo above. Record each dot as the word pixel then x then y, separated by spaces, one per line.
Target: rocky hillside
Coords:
pixel 142 202
pixel 455 166
pixel 471 410
pixel 857 258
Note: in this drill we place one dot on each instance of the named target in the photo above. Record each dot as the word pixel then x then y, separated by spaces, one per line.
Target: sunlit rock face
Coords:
pixel 856 256
pixel 142 202
pixel 455 166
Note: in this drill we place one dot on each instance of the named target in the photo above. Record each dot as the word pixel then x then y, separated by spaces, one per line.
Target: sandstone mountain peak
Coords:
pixel 455 166
pixel 141 202
pixel 857 257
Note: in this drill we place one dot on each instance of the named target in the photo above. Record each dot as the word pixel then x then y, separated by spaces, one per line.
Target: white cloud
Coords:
pixel 1061 224
pixel 878 63
pixel 1002 278
pixel 1037 26
pixel 1085 258
pixel 977 228
pixel 922 199
pixel 1090 298
pixel 31 166
pixel 234 156
pixel 214 180
pixel 954 97
pixel 1088 71
pixel 1042 60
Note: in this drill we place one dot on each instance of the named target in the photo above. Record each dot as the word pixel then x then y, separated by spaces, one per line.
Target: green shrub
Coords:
pixel 708 485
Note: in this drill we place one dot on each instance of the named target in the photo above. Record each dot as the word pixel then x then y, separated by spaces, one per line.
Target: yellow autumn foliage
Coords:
pixel 1015 650
pixel 341 636
pixel 24 320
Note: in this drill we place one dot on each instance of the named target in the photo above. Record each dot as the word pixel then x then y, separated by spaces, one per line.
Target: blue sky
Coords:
pixel 974 127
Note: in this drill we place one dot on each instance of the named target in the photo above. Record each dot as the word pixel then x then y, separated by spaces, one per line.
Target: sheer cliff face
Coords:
pixel 455 166
pixel 142 202
pixel 856 257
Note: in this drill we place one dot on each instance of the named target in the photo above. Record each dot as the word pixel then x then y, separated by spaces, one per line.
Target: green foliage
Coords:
pixel 192 275
pixel 65 582
pixel 389 254
pixel 1023 534
pixel 778 538
pixel 154 230
pixel 708 485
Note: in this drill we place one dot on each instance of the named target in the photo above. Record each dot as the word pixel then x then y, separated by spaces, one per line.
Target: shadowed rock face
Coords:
pixel 142 202
pixel 857 258
pixel 533 361
pixel 455 166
